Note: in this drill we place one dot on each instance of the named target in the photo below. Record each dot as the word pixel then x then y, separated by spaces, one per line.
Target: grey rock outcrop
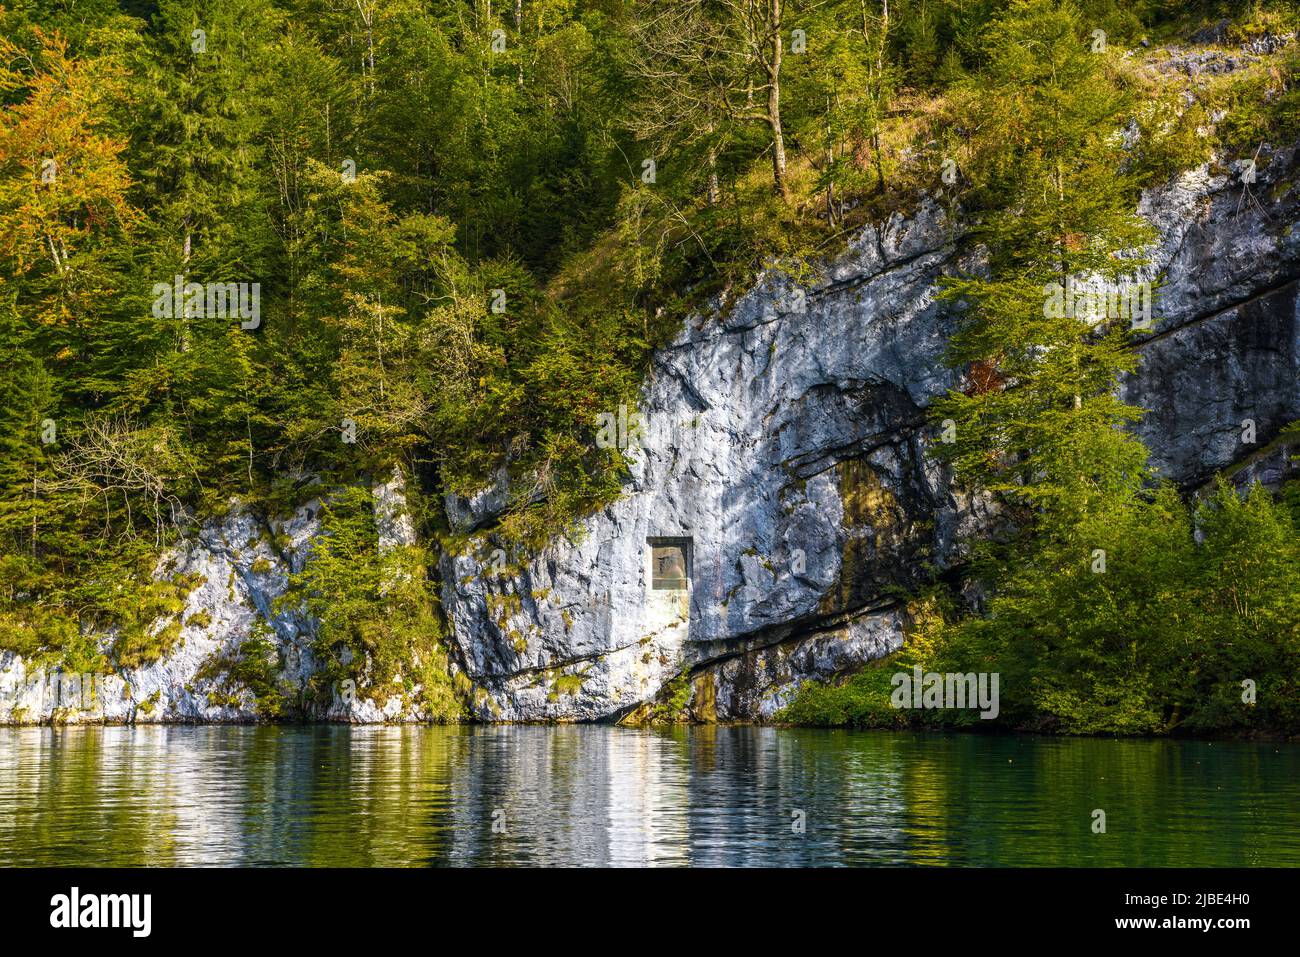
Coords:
pixel 781 472
pixel 1224 359
pixel 240 565
pixel 784 449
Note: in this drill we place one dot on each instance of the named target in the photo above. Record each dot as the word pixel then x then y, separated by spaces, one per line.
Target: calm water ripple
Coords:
pixel 597 795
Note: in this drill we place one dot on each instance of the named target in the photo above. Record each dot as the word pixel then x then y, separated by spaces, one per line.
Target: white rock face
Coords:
pixel 1226 349
pixel 242 565
pixel 779 440
pixel 759 684
pixel 785 438
pixel 393 520
pixel 783 450
pixel 241 573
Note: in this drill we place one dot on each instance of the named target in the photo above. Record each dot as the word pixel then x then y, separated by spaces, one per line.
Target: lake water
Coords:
pixel 598 795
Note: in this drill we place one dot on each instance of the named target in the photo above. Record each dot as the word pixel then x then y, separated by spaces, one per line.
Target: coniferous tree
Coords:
pixel 1039 418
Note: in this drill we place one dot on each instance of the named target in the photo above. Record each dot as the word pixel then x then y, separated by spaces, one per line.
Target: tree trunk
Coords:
pixel 774 105
pixel 179 307
pixel 876 83
pixel 714 193
pixel 830 167
pixel 880 166
pixel 519 26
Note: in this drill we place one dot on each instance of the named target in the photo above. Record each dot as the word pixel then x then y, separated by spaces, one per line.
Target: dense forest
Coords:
pixel 456 232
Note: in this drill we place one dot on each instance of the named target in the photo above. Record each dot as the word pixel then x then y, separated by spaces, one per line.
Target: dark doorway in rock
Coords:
pixel 670 564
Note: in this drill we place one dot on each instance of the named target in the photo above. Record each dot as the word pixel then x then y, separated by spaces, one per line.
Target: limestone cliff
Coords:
pixel 782 466
pixel 784 439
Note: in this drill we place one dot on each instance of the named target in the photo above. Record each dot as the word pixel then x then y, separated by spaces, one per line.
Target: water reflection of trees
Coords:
pixel 599 795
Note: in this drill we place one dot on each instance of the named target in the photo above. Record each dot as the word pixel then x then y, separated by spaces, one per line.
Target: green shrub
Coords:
pixel 376 614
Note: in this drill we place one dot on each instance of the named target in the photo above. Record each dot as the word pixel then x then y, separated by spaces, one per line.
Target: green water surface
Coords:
pixel 600 795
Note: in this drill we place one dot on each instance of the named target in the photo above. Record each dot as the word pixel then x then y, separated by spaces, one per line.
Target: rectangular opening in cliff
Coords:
pixel 670 564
